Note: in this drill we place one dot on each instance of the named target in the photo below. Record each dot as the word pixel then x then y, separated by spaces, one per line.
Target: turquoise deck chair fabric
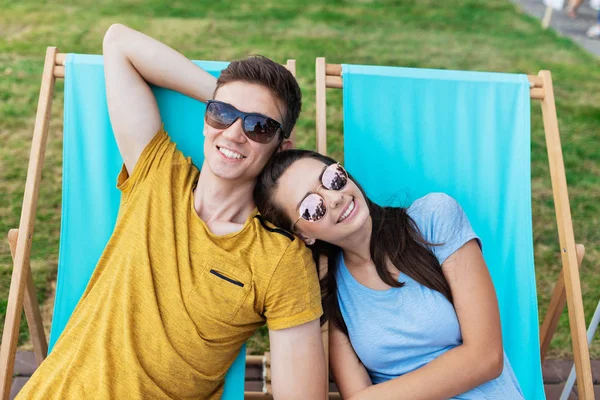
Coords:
pixel 91 163
pixel 408 132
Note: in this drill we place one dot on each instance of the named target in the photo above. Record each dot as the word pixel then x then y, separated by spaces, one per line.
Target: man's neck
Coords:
pixel 222 204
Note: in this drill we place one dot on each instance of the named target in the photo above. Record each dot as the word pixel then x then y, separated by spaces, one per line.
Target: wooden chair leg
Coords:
pixel 556 307
pixel 19 278
pixel 32 307
pixel 321 100
pixel 291 66
pixel 570 272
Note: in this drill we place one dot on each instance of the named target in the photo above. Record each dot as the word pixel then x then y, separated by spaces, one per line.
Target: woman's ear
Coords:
pixel 307 240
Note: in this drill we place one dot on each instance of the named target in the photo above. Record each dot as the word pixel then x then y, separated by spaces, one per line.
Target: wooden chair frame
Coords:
pixel 22 292
pixel 329 76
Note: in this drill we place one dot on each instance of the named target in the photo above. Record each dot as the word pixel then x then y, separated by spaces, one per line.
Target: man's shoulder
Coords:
pixel 272 232
pixel 274 242
pixel 275 257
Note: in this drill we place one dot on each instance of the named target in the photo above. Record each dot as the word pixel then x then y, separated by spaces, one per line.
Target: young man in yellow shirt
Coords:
pixel 192 269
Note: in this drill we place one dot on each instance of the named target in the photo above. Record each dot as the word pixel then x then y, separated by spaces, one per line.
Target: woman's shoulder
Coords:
pixel 437 216
pixel 433 204
pixel 441 220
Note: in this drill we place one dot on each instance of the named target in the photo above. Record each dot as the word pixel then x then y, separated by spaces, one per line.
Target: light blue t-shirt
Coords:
pixel 398 330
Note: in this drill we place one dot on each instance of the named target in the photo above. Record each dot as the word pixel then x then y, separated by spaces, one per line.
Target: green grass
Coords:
pixel 453 34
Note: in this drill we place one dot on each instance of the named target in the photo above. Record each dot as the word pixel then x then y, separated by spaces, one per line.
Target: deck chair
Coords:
pixel 88 212
pixel 468 134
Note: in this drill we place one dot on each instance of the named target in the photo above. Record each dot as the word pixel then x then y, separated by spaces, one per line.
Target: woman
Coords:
pixel 412 309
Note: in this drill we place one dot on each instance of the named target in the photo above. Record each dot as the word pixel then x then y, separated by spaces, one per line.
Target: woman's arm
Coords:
pixel 349 373
pixel 479 359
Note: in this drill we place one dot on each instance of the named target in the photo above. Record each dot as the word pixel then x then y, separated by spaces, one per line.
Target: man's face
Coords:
pixel 228 152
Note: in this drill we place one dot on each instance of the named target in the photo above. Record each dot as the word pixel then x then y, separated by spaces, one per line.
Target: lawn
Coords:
pixel 452 34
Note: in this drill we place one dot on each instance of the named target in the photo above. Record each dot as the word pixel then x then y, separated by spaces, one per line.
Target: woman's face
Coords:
pixel 346 209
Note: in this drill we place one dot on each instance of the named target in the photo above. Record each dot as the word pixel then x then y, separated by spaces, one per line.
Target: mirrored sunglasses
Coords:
pixel 313 207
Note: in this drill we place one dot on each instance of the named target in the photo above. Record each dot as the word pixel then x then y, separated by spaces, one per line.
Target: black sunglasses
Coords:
pixel 256 127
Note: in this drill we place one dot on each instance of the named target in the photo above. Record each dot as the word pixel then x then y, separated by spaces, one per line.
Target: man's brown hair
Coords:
pixel 275 77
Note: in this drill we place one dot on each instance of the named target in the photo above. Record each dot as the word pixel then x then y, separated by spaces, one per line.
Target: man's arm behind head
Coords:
pixel 132 61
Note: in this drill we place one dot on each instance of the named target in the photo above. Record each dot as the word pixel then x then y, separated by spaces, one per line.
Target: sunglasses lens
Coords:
pixel 219 115
pixel 334 177
pixel 259 128
pixel 313 208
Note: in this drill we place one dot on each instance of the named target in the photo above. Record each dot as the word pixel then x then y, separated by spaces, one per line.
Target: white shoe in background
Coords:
pixel 594 32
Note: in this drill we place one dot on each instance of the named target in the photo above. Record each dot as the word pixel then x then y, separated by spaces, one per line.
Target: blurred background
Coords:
pixel 491 35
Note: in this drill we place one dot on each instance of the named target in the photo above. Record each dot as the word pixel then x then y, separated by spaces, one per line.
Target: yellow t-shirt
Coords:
pixel 170 304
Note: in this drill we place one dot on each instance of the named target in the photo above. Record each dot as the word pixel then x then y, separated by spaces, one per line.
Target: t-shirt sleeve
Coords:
pixel 293 296
pixel 442 221
pixel 160 154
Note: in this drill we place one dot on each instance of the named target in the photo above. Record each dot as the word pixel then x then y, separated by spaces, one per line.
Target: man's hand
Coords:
pixel 298 363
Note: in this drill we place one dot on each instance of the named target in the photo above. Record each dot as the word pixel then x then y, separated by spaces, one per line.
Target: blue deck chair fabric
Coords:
pixel 409 132
pixel 91 163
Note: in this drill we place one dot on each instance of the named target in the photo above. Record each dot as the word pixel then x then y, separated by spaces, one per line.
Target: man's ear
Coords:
pixel 286 144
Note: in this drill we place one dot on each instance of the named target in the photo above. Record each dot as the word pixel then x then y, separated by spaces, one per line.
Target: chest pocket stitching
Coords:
pixel 220 275
pixel 220 286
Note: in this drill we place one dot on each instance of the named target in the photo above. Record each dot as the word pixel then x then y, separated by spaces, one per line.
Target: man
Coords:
pixel 191 270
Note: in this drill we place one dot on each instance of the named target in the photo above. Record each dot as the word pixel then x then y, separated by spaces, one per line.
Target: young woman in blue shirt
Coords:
pixel 412 308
